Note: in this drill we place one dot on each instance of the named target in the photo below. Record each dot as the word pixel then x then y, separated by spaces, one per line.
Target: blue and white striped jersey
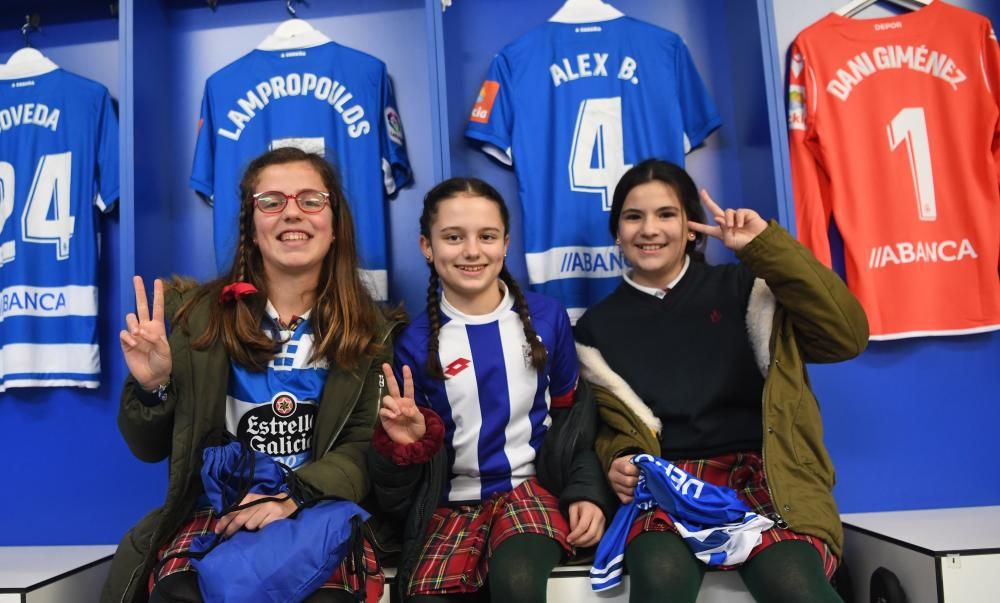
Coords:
pixel 328 99
pixel 572 107
pixel 494 404
pixel 274 411
pixel 58 171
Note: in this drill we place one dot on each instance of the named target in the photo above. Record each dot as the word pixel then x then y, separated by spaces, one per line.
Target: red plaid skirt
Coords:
pixel 204 522
pixel 461 540
pixel 743 472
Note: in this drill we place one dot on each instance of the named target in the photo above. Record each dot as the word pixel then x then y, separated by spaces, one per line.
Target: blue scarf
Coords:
pixel 712 520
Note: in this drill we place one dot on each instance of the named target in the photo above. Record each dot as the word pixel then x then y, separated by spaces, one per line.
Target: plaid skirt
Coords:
pixel 461 540
pixel 743 472
pixel 203 522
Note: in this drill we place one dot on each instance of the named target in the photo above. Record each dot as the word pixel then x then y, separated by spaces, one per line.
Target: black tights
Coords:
pixel 519 571
pixel 661 567
pixel 182 587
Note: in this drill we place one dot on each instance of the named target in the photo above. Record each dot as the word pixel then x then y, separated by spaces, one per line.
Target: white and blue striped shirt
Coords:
pixel 494 404
pixel 274 411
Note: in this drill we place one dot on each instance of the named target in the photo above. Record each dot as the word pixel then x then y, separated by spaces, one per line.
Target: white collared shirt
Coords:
pixel 655 292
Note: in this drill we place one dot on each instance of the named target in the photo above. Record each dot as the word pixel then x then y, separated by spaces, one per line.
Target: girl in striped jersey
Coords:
pixel 488 375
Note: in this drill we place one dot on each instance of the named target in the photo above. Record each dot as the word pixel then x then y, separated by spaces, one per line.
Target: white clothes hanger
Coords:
pixel 856 6
pixel 26 62
pixel 585 11
pixel 293 33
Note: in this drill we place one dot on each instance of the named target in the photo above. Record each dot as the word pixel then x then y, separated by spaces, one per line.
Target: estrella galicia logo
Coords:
pixel 281 428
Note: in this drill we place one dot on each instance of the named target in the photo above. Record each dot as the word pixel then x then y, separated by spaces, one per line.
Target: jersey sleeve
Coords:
pixel 203 170
pixel 565 366
pixel 697 108
pixel 107 156
pixel 810 184
pixel 991 71
pixel 395 164
pixel 492 119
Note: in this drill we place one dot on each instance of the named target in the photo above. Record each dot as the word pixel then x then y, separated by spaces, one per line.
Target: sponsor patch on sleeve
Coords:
pixel 796 107
pixel 484 102
pixel 393 126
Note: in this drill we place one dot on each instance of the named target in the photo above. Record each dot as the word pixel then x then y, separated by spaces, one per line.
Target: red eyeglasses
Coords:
pixel 309 201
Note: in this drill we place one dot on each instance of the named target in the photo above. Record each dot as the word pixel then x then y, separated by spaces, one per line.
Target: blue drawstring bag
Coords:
pixel 287 560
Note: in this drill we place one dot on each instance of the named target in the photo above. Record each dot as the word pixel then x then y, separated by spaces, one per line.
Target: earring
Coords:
pixel 691 235
pixel 427 258
pixel 618 242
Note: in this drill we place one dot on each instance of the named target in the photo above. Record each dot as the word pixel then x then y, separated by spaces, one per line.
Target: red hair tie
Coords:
pixel 237 290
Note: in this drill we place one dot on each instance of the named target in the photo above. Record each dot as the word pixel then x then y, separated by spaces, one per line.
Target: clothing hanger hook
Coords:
pixel 31 23
pixel 291 9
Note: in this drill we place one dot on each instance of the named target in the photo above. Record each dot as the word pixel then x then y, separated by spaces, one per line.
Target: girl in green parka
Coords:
pixel 284 353
pixel 705 366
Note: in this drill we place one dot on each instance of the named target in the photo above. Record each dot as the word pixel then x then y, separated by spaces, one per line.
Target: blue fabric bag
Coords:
pixel 287 560
pixel 718 527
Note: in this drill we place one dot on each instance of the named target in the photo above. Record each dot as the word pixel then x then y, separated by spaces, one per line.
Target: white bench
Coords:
pixel 75 574
pixel 571 584
pixel 53 574
pixel 939 555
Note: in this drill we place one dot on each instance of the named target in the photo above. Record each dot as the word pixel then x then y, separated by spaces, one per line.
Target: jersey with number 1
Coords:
pixel 572 107
pixel 328 99
pixel 894 126
pixel 58 171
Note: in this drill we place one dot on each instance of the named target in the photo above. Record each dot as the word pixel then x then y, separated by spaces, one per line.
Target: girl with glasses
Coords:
pixel 284 353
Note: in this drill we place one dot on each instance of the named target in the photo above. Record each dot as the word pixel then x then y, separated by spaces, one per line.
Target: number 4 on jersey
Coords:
pixel 598 128
pixel 46 217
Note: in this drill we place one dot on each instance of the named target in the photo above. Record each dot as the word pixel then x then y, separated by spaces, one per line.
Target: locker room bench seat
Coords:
pixel 53 574
pixel 62 574
pixel 570 584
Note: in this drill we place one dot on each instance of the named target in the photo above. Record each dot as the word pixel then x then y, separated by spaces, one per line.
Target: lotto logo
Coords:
pixel 457 366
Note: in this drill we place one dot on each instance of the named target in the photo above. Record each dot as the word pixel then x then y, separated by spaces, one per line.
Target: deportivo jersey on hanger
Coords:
pixel 58 171
pixel 572 107
pixel 894 133
pixel 328 99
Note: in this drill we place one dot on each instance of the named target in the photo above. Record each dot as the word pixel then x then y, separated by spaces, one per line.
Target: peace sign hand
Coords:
pixel 736 227
pixel 401 419
pixel 144 342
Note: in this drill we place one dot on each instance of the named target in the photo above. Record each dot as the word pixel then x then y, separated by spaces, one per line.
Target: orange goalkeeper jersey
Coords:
pixel 894 132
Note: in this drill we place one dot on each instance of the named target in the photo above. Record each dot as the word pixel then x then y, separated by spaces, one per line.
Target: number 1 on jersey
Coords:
pixel 910 126
pixel 598 128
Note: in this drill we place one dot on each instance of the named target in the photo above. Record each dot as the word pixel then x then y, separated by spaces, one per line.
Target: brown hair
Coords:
pixel 344 316
pixel 470 187
pixel 676 178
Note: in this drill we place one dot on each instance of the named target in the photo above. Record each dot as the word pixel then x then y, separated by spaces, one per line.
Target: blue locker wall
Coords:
pixel 62 456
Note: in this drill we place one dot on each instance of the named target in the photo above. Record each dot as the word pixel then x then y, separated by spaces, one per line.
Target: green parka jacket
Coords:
pixel 799 311
pixel 196 405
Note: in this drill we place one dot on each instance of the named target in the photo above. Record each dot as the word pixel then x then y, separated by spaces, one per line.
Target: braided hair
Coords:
pixel 470 187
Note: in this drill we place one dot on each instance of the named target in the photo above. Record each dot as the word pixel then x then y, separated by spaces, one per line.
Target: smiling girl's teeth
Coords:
pixel 293 236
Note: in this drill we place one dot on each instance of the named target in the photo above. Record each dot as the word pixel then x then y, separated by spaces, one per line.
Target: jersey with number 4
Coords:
pixel 572 107
pixel 58 170
pixel 327 99
pixel 894 133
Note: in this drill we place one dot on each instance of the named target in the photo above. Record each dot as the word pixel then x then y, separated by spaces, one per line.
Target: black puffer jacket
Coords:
pixel 566 466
